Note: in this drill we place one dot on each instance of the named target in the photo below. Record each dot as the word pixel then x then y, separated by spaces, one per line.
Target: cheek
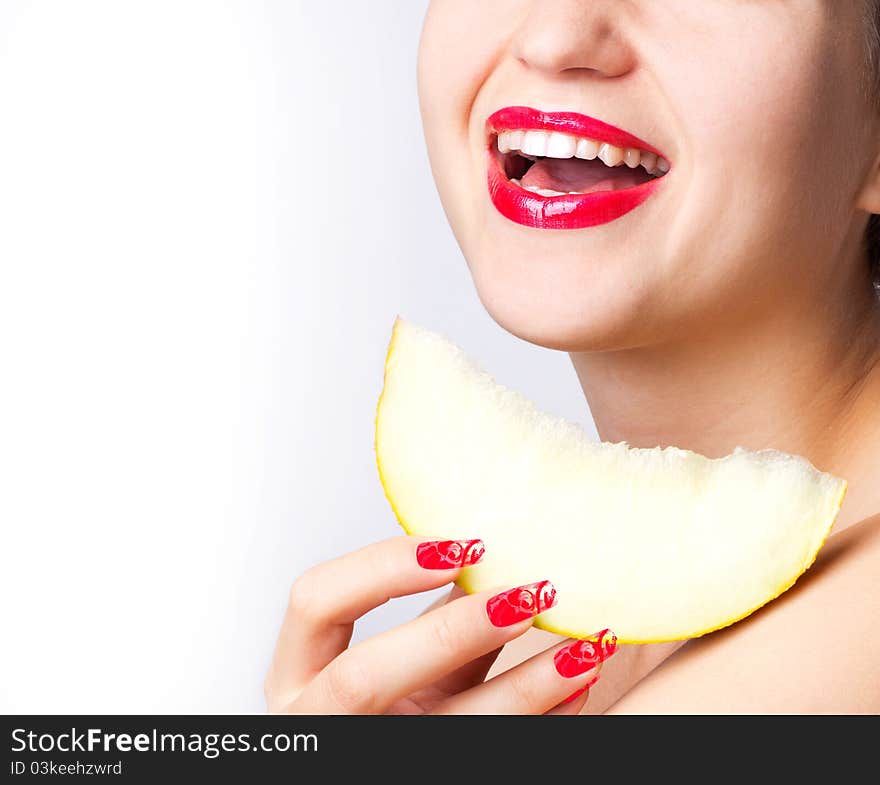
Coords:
pixel 767 180
pixel 460 46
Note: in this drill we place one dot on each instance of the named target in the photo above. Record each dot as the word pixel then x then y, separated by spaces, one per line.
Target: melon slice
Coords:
pixel 655 544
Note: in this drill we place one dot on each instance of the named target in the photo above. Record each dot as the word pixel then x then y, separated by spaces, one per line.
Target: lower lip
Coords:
pixel 569 211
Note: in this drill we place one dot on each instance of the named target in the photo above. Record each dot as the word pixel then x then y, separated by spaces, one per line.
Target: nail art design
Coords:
pixel 449 554
pixel 520 603
pixel 581 656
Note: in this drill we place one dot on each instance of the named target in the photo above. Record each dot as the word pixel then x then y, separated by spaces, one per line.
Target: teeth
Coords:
pixel 535 143
pixel 510 140
pixel 632 157
pixel 561 146
pixel 587 149
pixel 542 191
pixel 611 154
pixel 649 161
pixel 554 144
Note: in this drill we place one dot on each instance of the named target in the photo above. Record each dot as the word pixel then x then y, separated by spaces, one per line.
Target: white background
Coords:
pixel 210 213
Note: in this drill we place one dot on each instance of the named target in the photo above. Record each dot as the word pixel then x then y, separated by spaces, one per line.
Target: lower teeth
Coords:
pixel 542 191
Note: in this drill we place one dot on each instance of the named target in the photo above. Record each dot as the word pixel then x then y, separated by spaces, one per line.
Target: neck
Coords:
pixel 804 380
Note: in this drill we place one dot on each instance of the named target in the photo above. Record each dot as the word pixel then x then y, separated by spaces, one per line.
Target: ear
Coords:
pixel 869 196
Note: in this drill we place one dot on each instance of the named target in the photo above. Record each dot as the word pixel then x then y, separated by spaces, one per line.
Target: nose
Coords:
pixel 561 36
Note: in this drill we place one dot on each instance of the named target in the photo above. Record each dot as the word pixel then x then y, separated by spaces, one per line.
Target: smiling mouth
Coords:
pixel 551 163
pixel 565 170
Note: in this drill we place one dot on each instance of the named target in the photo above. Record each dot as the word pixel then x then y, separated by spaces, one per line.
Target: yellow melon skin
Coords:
pixel 655 544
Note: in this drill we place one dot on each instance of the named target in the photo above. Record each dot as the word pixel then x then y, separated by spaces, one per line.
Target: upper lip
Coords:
pixel 514 118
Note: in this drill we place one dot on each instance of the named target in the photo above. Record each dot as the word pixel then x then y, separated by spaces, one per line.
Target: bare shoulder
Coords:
pixel 816 649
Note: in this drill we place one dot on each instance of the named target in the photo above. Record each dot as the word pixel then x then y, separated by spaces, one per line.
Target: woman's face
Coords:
pixel 758 106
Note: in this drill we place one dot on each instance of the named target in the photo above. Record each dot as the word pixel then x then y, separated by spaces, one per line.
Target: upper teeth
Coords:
pixel 554 144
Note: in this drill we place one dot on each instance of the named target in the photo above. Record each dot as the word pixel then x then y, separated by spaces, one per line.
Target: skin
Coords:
pixel 734 307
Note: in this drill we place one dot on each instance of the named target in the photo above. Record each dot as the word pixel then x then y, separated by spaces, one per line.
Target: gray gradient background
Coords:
pixel 210 213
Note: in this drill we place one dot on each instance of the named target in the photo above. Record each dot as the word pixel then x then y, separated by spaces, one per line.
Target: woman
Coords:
pixel 717 291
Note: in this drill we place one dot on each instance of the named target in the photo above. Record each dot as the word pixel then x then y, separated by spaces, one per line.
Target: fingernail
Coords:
pixel 520 603
pixel 581 656
pixel 449 554
pixel 582 690
pixel 576 694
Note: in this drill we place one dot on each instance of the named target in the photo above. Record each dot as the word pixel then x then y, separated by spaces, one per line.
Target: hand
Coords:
pixel 436 663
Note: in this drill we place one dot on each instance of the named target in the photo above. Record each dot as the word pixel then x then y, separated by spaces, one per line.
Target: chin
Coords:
pixel 588 312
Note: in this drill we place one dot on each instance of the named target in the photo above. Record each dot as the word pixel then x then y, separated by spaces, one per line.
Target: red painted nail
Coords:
pixel 581 656
pixel 449 554
pixel 576 694
pixel 520 603
pixel 582 690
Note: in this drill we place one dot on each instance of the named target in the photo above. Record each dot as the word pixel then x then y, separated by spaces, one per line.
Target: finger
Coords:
pixel 460 679
pixel 540 683
pixel 470 673
pixel 574 703
pixel 454 593
pixel 327 600
pixel 372 675
pixel 451 595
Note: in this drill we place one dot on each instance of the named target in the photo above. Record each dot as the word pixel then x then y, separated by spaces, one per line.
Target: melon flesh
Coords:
pixel 655 544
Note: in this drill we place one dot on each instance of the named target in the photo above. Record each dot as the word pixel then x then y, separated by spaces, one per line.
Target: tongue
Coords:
pixel 576 174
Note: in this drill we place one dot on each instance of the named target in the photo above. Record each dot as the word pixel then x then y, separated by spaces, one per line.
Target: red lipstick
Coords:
pixel 566 211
